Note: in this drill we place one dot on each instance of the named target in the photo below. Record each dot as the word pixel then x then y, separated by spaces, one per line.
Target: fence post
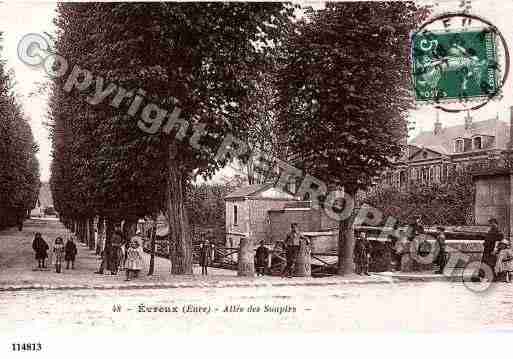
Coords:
pixel 246 263
pixel 303 266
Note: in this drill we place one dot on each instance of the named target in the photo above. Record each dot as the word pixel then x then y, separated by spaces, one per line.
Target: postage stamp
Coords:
pixel 459 65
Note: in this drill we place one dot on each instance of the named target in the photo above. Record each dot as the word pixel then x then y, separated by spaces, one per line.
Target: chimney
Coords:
pixel 468 121
pixel 438 125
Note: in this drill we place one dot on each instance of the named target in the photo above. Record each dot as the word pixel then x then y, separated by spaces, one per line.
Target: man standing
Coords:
pixel 493 237
pixel 116 251
pixel 441 257
pixel 292 243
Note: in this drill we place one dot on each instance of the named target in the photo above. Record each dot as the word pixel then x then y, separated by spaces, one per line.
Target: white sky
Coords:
pixel 18 19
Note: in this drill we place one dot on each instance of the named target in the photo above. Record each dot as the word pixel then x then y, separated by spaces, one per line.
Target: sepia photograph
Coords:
pixel 304 169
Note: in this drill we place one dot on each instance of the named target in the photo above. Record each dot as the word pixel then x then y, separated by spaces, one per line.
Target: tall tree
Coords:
pixel 19 168
pixel 344 95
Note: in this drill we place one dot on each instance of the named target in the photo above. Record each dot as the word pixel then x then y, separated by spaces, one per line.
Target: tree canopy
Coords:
pixel 19 167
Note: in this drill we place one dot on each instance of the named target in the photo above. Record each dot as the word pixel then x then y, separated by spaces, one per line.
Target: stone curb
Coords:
pixel 176 285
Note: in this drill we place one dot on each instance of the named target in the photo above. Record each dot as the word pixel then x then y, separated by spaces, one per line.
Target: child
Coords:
pixel 70 253
pixel 362 254
pixel 261 258
pixel 205 256
pixel 40 247
pixel 58 253
pixel 504 264
pixel 134 259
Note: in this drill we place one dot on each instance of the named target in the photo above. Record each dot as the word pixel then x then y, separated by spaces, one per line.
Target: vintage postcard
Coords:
pixel 218 170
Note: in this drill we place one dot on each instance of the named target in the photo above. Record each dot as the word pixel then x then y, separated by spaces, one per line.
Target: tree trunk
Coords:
pixel 92 242
pixel 180 243
pixel 101 228
pixel 346 244
pixel 153 234
pixel 108 243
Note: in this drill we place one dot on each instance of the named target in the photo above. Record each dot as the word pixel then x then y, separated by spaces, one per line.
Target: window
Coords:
pixel 402 179
pixel 477 143
pixel 458 146
pixel 235 219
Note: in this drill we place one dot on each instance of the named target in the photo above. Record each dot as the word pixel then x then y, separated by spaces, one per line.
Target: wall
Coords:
pixel 259 219
pixel 234 232
pixel 493 200
pixel 308 219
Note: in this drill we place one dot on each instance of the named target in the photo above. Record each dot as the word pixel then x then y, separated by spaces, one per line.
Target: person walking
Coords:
pixel 504 263
pixel 19 220
pixel 40 248
pixel 441 258
pixel 116 252
pixel 205 256
pixel 493 237
pixel 70 253
pixel 292 243
pixel 134 259
pixel 58 254
pixel 261 258
pixel 361 254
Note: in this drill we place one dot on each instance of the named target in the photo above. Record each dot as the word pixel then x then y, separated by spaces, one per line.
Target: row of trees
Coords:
pixel 193 55
pixel 19 168
pixel 329 90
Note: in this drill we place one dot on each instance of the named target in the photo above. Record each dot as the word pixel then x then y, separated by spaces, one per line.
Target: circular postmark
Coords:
pixel 458 68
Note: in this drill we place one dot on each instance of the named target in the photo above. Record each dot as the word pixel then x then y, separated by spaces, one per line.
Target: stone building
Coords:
pixel 265 212
pixel 247 211
pixel 432 155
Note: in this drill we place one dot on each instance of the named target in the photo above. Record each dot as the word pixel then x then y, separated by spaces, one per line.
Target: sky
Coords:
pixel 20 18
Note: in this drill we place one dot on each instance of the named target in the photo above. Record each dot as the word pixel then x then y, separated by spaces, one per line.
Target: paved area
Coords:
pixel 18 269
pixel 430 307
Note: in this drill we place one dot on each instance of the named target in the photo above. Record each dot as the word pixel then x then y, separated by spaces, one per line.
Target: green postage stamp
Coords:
pixel 454 66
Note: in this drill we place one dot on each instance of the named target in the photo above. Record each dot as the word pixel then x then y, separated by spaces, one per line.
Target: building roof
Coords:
pixel 444 140
pixel 256 191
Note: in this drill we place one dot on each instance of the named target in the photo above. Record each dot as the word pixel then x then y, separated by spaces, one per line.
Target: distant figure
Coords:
pixel 441 257
pixel 41 248
pixel 493 237
pixel 504 263
pixel 205 256
pixel 58 254
pixel 70 253
pixel 292 243
pixel 361 254
pixel 116 251
pixel 19 220
pixel 134 259
pixel 261 258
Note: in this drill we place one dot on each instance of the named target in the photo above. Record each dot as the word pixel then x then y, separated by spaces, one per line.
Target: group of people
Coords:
pixel 60 252
pixel 290 247
pixel 497 252
pixel 124 253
